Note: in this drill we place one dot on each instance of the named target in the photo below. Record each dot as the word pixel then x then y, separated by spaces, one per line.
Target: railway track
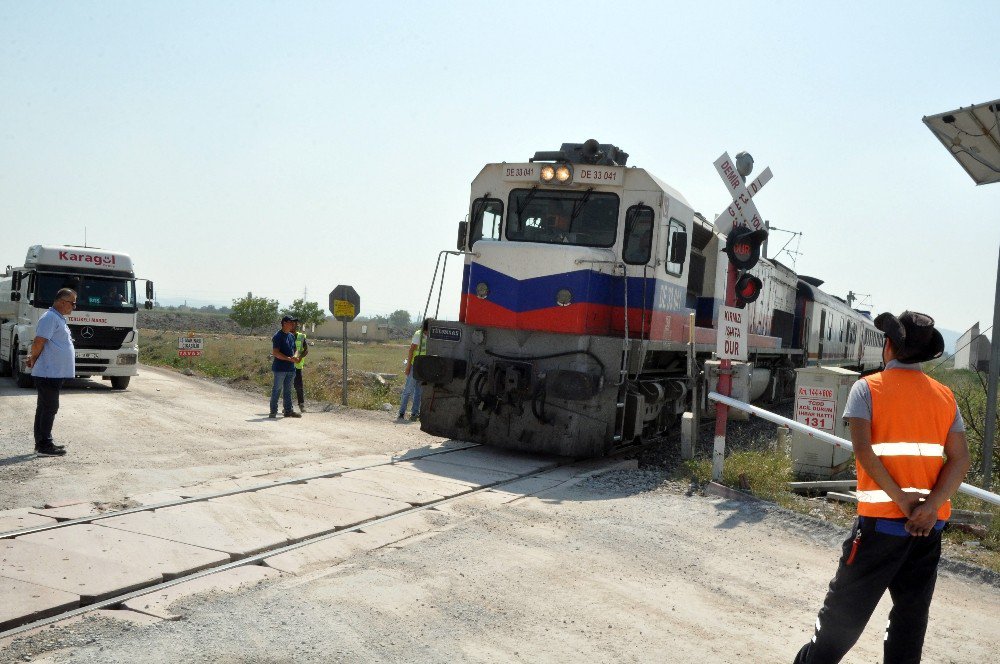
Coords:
pixel 430 480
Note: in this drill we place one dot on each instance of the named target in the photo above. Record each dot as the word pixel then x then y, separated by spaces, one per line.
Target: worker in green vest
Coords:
pixel 418 346
pixel 301 350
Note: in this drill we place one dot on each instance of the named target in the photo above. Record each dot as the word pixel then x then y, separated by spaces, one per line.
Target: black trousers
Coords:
pixel 46 408
pixel 299 392
pixel 887 558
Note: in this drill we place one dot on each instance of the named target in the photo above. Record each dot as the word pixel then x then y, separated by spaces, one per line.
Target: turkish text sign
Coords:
pixel 345 303
pixel 742 211
pixel 188 353
pixel 191 343
pixel 816 407
pixel 732 342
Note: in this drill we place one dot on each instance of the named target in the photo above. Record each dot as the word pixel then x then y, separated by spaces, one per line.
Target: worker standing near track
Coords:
pixel 418 346
pixel 301 350
pixel 909 442
pixel 283 366
pixel 52 360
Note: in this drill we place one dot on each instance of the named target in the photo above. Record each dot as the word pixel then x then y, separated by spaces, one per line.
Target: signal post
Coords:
pixel 745 231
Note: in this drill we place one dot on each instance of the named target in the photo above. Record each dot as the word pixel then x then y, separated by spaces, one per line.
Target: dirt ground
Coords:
pixel 168 430
pixel 622 567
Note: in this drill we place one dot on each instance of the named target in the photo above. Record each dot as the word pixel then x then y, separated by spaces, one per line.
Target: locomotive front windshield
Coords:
pixel 109 294
pixel 582 218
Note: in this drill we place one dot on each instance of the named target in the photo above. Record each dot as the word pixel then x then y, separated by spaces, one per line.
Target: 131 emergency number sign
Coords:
pixel 816 407
pixel 732 335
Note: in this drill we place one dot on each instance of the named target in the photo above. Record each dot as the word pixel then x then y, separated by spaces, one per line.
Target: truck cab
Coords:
pixel 103 325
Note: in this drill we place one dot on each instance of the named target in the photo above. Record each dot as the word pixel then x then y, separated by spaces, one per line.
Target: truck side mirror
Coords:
pixel 678 247
pixel 149 290
pixel 463 235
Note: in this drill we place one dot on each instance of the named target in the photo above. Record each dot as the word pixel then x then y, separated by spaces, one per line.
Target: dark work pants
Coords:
pixel 299 393
pixel 46 409
pixel 905 565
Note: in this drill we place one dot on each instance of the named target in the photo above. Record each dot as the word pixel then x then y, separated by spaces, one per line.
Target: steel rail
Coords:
pixel 233 492
pixel 974 491
pixel 260 557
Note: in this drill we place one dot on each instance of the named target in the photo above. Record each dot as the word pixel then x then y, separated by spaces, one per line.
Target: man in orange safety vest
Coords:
pixel 909 443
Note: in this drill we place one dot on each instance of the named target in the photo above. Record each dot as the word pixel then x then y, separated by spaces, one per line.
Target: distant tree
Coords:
pixel 400 318
pixel 254 312
pixel 306 312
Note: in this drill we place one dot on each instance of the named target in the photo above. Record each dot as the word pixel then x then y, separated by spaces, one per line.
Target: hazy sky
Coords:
pixel 275 147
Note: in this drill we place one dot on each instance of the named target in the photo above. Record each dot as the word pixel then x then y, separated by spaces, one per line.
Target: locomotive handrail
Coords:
pixel 446 253
pixel 974 491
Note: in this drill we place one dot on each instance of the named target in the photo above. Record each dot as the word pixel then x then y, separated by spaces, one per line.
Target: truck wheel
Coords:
pixel 119 382
pixel 20 379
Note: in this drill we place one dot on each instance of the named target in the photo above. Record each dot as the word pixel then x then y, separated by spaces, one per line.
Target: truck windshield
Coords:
pixel 584 218
pixel 93 293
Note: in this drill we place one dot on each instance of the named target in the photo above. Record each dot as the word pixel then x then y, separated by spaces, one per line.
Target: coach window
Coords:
pixel 486 215
pixel 638 235
pixel 676 235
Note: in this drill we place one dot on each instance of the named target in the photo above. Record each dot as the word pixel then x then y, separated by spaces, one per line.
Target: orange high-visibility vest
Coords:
pixel 911 416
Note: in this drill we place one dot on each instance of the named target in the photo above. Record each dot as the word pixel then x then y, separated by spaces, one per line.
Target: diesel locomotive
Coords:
pixel 590 297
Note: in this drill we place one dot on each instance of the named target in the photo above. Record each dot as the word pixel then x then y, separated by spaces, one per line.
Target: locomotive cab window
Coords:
pixel 486 216
pixel 676 248
pixel 581 218
pixel 638 235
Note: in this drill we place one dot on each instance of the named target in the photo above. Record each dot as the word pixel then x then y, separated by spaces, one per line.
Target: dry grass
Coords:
pixel 765 473
pixel 246 362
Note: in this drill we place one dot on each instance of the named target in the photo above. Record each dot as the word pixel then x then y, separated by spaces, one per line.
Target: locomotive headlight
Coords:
pixel 482 290
pixel 564 298
pixel 548 172
pixel 563 173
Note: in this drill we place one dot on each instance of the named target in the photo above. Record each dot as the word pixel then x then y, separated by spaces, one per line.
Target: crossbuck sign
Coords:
pixel 742 211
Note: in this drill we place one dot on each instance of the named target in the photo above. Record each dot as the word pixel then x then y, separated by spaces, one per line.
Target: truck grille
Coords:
pixel 91 366
pixel 92 336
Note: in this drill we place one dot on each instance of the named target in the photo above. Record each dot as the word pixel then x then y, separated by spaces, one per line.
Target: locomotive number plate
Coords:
pixel 445 333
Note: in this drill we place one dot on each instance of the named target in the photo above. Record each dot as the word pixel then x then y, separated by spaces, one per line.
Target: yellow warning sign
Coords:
pixel 343 308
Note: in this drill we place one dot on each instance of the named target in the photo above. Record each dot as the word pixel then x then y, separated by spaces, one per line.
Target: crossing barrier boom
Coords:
pixel 974 491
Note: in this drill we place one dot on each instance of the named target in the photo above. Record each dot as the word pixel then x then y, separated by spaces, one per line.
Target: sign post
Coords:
pixel 345 305
pixel 731 329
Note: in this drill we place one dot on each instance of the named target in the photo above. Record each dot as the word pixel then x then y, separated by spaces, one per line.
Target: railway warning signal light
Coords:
pixel 747 289
pixel 743 246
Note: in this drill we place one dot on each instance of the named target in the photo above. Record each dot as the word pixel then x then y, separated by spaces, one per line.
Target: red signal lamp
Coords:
pixel 743 246
pixel 747 289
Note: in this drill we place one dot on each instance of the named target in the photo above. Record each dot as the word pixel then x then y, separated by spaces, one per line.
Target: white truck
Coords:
pixel 103 324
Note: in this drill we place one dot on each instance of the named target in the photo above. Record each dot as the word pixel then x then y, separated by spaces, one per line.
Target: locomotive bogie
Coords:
pixel 520 389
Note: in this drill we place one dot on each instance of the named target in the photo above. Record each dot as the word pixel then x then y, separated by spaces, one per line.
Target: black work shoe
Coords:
pixel 272 416
pixel 292 413
pixel 55 445
pixel 50 450
pixel 414 418
pixel 401 417
pixel 302 407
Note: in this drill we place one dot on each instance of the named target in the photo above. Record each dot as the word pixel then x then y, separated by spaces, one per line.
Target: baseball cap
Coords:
pixel 289 319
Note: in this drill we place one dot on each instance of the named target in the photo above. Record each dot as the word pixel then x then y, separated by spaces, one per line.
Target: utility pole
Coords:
pixel 990 430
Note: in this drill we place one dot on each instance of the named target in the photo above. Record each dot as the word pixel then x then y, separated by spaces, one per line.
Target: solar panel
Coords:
pixel 972 136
